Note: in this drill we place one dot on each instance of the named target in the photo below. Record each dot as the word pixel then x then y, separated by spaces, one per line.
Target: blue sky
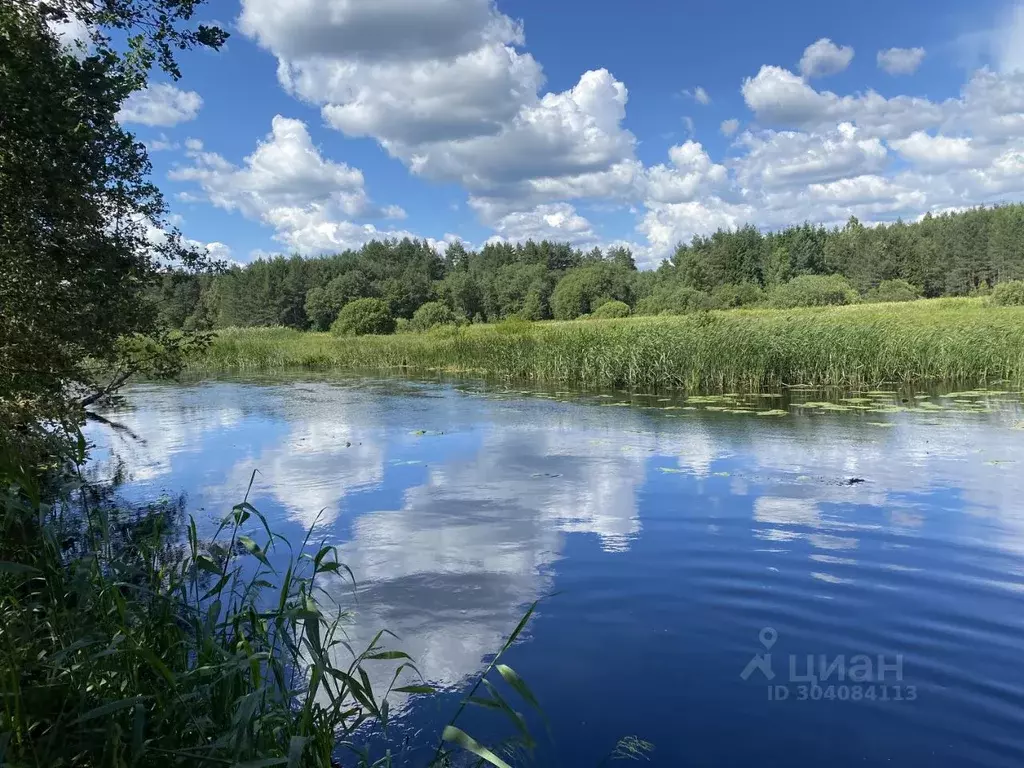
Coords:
pixel 325 123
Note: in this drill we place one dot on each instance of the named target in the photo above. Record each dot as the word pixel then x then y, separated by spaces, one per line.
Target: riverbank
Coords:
pixel 962 341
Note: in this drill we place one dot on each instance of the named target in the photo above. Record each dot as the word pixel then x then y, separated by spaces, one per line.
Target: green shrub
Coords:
pixel 813 291
pixel 430 314
pixel 892 290
pixel 446 331
pixel 363 317
pixel 979 291
pixel 513 326
pixel 1009 294
pixel 403 325
pixel 584 289
pixel 611 309
pixel 674 300
pixel 324 302
pixel 742 295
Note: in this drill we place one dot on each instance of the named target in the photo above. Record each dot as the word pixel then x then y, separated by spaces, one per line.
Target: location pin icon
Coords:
pixel 768 636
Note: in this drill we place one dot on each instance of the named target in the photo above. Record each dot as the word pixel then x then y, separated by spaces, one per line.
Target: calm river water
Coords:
pixel 698 554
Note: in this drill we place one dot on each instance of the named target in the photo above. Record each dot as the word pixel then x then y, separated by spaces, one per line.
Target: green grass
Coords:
pixel 125 641
pixel 962 341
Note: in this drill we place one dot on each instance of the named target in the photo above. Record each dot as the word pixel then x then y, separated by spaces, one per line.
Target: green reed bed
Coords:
pixel 128 640
pixel 943 340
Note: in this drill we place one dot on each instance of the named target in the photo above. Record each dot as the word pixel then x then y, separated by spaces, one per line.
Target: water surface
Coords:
pixel 682 545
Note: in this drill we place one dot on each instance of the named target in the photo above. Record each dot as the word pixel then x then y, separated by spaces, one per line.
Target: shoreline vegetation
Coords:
pixel 951 341
pixel 131 638
pixel 406 284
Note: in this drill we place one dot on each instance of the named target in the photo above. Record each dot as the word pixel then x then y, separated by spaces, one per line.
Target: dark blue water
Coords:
pixel 682 545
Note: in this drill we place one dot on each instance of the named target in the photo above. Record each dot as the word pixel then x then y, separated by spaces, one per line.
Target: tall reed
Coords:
pixel 124 644
pixel 962 341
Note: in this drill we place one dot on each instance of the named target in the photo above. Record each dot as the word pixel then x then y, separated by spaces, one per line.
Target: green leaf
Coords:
pixel 8 567
pixel 367 687
pixel 253 549
pixel 416 689
pixel 138 730
pixel 206 563
pixel 355 688
pixel 386 655
pixel 216 588
pixel 324 551
pixel 519 627
pixel 108 709
pixel 514 717
pixel 468 743
pixel 156 663
pixel 295 749
pixel 511 677
pixel 486 703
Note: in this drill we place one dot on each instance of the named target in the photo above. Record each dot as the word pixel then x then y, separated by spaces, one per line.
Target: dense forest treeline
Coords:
pixel 952 254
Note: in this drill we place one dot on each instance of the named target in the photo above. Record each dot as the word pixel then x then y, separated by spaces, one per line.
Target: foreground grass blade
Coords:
pixel 468 743
pixel 510 676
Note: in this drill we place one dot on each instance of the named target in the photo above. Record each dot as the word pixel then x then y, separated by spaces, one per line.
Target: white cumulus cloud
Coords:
pixel 824 58
pixel 690 175
pixel 901 61
pixel 448 88
pixel 287 184
pixel 557 221
pixel 444 86
pixel 162 105
pixel 779 97
pixel 788 158
pixel 935 152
